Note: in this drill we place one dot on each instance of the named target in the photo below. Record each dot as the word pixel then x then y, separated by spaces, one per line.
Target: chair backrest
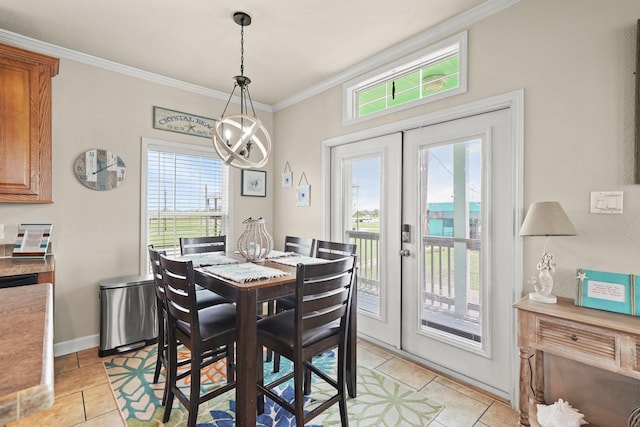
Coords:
pixel 323 296
pixel 156 270
pixel 334 250
pixel 195 245
pixel 179 283
pixel 299 245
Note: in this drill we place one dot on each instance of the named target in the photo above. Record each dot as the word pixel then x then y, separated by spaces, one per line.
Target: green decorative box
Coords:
pixel 608 291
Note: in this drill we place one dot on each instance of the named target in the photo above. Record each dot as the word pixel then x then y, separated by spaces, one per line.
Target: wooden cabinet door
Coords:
pixel 25 125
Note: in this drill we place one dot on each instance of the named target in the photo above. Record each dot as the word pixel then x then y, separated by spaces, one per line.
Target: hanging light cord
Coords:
pixel 243 83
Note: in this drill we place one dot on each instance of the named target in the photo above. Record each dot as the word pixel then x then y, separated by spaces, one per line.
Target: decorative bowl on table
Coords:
pixel 255 243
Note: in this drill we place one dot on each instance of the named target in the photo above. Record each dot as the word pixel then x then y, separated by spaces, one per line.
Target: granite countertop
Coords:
pixel 15 266
pixel 26 351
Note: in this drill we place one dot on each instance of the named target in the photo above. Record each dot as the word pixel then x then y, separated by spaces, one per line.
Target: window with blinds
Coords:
pixel 186 194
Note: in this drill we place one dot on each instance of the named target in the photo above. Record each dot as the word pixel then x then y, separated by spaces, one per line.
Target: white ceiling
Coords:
pixel 291 45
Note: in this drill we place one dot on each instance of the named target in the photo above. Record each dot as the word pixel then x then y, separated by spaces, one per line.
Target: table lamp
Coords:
pixel 546 219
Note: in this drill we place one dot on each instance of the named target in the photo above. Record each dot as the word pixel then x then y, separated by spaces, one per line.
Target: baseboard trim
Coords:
pixel 77 344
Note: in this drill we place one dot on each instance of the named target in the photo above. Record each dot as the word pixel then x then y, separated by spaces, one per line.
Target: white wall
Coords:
pixel 96 234
pixel 575 60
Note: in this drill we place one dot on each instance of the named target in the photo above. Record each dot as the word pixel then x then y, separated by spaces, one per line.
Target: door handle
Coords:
pixel 405 252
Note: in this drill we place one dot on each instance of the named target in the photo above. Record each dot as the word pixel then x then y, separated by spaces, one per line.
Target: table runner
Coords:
pixel 244 272
pixel 299 259
pixel 208 258
pixel 279 254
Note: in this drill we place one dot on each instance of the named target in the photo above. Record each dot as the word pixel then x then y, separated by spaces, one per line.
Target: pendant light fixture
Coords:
pixel 241 140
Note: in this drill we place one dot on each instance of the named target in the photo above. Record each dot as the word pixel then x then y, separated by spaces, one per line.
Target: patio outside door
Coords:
pixel 366 202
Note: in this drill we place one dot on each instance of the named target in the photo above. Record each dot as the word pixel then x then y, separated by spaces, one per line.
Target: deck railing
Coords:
pixel 368 243
pixel 438 285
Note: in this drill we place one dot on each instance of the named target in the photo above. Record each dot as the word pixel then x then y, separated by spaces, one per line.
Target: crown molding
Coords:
pixel 45 48
pixel 433 34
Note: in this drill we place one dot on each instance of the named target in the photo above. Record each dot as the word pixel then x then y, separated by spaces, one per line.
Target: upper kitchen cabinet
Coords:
pixel 25 125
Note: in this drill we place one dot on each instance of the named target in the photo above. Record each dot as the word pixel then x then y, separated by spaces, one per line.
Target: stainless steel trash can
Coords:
pixel 127 314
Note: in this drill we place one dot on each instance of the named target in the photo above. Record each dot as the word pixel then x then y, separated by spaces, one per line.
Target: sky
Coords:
pixel 366 176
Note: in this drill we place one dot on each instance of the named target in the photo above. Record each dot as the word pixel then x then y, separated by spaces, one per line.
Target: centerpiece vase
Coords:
pixel 255 243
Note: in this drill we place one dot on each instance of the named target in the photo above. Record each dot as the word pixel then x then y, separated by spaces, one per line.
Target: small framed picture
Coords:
pixel 254 183
pixel 287 179
pixel 303 196
pixel 606 291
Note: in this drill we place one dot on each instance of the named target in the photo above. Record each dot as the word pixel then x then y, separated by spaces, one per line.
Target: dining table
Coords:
pixel 248 294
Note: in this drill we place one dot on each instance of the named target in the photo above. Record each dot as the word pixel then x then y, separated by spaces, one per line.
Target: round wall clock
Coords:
pixel 100 170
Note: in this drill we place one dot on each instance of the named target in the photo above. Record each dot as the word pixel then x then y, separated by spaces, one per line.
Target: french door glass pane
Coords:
pixel 450 200
pixel 365 228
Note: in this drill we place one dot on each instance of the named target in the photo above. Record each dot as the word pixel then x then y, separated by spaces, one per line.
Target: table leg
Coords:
pixel 538 377
pixel 525 384
pixel 246 353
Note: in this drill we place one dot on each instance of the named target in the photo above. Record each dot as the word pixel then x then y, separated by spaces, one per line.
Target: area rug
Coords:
pixel 381 401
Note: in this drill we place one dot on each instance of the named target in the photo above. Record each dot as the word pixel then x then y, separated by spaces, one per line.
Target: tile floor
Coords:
pixel 83 396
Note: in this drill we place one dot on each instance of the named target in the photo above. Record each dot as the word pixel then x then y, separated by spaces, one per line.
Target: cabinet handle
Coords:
pixel 574 337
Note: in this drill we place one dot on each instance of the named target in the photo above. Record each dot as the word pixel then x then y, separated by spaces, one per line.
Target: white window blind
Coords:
pixel 186 195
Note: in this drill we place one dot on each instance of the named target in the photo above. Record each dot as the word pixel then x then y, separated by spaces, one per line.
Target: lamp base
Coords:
pixel 551 299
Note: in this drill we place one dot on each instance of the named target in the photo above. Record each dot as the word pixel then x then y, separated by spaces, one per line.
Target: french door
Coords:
pixel 457 296
pixel 366 194
pixel 433 210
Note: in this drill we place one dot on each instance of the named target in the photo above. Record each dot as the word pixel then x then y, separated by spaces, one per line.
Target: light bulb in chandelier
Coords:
pixel 236 136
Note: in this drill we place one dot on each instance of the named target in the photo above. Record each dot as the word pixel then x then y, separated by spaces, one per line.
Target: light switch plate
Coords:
pixel 606 202
pixel 1 231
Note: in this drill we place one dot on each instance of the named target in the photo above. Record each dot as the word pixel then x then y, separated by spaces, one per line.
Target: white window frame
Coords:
pixel 398 68
pixel 182 148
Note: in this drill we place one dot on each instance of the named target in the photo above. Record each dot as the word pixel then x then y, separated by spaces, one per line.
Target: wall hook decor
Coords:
pixel 287 176
pixel 303 192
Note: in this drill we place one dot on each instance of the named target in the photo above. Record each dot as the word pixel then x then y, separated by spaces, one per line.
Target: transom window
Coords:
pixel 433 73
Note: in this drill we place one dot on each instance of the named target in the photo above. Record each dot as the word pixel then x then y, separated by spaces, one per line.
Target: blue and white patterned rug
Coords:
pixel 381 401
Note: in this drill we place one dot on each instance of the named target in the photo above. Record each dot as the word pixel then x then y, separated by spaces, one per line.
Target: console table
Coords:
pixel 609 341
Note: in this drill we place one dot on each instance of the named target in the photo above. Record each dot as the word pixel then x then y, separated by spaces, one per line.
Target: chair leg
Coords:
pixel 276 362
pixel 342 368
pixel 260 380
pixel 159 355
pixel 171 377
pixel 307 380
pixel 194 393
pixel 298 384
pixel 271 308
pixel 230 361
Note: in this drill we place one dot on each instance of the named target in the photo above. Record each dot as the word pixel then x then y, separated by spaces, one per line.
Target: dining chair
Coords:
pixel 318 323
pixel 324 249
pixel 334 250
pixel 208 333
pixel 196 245
pixel 299 245
pixel 204 299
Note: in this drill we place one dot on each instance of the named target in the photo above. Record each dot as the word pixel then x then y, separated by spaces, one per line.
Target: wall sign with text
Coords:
pixel 177 121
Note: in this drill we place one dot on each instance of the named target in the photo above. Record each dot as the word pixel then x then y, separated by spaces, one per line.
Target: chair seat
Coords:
pixel 285 303
pixel 215 322
pixel 206 298
pixel 281 327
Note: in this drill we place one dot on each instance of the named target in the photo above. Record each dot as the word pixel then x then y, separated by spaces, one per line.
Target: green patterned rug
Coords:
pixel 381 401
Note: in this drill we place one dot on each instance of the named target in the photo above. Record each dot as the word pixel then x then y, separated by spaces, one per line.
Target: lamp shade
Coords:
pixel 547 219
